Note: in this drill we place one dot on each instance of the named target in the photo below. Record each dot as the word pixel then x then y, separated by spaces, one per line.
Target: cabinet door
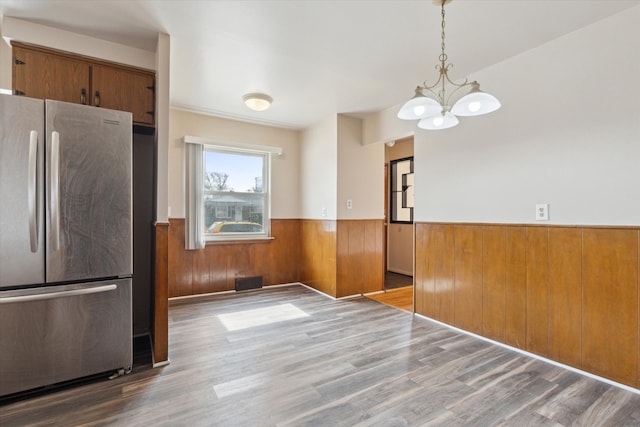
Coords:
pixel 45 76
pixel 125 90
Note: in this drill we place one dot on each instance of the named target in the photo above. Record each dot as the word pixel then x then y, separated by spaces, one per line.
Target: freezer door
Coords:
pixel 58 333
pixel 21 195
pixel 89 204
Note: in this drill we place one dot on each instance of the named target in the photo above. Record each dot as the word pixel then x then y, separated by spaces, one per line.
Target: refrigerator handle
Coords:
pixel 32 192
pixel 59 294
pixel 54 191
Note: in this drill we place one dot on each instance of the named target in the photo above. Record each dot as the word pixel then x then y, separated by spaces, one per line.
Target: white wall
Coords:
pixel 5 62
pixel 163 59
pixel 360 173
pixel 568 134
pixel 285 169
pixel 319 170
pixel 384 126
pixel 400 248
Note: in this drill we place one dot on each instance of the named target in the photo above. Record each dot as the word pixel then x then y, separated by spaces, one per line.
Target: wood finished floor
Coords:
pixel 350 362
pixel 401 298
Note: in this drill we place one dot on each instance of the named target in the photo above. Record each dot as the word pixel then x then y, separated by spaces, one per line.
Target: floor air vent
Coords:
pixel 247 283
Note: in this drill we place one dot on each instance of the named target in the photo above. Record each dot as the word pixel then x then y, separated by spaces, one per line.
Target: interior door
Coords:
pixel 89 189
pixel 21 196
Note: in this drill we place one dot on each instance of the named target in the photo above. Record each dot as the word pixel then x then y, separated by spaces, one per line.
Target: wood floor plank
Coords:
pixel 401 298
pixel 348 363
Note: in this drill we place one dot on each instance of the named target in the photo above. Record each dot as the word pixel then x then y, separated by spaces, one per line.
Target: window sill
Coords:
pixel 239 240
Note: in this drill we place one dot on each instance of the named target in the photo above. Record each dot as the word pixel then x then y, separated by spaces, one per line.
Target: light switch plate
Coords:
pixel 542 212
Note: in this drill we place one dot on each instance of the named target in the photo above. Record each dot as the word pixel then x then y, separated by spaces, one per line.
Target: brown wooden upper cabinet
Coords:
pixel 46 74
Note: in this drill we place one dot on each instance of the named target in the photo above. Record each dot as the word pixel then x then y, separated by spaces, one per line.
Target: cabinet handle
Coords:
pixel 96 99
pixel 83 96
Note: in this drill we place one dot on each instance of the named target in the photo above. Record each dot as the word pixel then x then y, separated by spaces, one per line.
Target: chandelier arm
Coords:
pixel 454 91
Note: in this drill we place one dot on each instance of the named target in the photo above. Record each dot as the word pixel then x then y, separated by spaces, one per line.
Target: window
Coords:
pixel 402 190
pixel 235 193
pixel 227 191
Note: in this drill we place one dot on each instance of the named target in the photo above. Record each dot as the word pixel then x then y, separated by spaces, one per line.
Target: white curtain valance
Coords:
pixel 196 140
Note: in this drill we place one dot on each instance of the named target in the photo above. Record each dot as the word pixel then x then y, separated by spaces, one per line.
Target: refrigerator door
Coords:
pixel 53 334
pixel 21 195
pixel 89 192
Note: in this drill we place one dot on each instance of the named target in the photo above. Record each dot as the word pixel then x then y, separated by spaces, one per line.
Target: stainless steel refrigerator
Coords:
pixel 65 242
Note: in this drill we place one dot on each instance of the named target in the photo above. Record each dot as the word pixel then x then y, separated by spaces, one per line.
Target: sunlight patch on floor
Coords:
pixel 260 316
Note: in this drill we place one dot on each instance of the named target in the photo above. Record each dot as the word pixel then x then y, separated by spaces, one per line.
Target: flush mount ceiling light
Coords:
pixel 257 101
pixel 432 106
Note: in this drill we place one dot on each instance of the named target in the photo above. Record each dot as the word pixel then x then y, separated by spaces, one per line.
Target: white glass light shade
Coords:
pixel 257 101
pixel 475 103
pixel 443 120
pixel 419 107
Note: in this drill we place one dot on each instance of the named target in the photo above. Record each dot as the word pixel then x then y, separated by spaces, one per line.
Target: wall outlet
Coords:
pixel 349 204
pixel 324 212
pixel 542 212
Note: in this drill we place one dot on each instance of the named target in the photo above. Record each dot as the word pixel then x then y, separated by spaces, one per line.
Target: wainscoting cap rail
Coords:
pixel 235 145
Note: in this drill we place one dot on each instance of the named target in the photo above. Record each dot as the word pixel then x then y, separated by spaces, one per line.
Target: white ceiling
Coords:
pixel 317 57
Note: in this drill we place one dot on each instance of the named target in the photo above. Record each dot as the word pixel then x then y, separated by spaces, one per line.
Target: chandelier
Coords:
pixel 432 105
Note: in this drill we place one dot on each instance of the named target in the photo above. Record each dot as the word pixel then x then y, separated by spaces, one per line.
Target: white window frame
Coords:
pixel 266 195
pixel 194 196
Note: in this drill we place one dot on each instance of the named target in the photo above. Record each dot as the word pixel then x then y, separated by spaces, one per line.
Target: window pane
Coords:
pixel 233 213
pixel 235 194
pixel 233 172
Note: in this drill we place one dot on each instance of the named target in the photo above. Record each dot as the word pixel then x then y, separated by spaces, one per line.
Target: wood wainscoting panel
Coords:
pixel 468 278
pixel 516 287
pixel 318 254
pixel 444 274
pixel 180 261
pixel 360 259
pixel 565 295
pixel 160 333
pixel 610 324
pixel 350 269
pixel 494 256
pixel 424 280
pixel 538 290
pixel 284 255
pixel 215 268
pixel 374 255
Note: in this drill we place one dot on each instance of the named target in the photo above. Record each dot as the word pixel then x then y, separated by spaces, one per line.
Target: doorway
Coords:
pixel 399 214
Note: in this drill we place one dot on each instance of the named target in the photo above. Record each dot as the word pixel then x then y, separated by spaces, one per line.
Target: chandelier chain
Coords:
pixel 443 56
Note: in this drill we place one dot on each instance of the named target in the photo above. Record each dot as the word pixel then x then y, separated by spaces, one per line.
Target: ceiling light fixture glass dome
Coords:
pixel 257 101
